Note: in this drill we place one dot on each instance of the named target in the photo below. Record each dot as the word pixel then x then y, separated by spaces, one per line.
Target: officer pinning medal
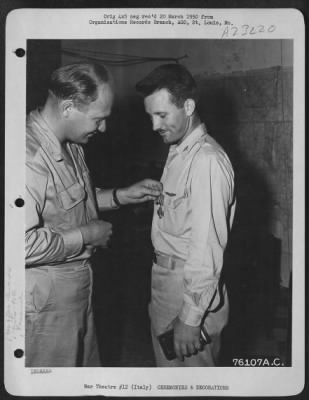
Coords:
pixel 63 228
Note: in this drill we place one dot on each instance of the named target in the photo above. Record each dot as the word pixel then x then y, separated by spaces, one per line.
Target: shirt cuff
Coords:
pixel 105 199
pixel 190 315
pixel 73 242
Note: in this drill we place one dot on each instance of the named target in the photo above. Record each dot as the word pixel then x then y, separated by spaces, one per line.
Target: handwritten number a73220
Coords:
pixel 245 30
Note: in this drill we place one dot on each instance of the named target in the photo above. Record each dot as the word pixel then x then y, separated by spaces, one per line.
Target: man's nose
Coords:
pixel 156 124
pixel 102 127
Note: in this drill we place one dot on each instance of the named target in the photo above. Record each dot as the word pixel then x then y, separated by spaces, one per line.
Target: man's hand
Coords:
pixel 186 339
pixel 145 190
pixel 96 233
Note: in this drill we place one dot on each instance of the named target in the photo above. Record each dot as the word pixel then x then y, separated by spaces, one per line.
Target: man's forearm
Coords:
pixel 45 245
pixel 108 199
pixel 145 190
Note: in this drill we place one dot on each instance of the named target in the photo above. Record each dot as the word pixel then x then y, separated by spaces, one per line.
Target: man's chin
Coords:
pixel 165 139
pixel 88 137
pixel 83 140
pixel 169 141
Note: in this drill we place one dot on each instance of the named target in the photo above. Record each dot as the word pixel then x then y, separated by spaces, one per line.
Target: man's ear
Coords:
pixel 189 106
pixel 67 107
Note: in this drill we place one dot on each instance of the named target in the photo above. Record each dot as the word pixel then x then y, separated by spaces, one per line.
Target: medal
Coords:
pixel 160 211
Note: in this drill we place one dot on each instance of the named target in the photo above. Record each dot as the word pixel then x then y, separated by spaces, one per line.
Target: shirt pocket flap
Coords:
pixel 174 202
pixel 71 196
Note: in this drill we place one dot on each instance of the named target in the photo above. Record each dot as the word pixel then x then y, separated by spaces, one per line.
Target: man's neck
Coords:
pixel 49 113
pixel 195 122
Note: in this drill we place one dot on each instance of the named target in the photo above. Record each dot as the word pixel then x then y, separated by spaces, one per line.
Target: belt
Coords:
pixel 68 265
pixel 166 261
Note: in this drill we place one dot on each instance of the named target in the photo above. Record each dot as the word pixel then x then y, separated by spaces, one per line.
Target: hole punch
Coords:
pixel 19 202
pixel 18 353
pixel 20 52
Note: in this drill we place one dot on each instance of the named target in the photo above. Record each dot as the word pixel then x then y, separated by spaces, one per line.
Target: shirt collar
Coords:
pixel 195 136
pixel 46 136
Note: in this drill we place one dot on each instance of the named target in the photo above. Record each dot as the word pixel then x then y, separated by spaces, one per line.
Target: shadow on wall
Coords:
pixel 252 259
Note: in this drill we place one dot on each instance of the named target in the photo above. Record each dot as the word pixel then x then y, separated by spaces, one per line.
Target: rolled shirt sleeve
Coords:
pixel 105 199
pixel 211 196
pixel 45 245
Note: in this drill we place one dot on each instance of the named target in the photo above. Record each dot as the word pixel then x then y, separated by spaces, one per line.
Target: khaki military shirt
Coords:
pixel 198 211
pixel 59 198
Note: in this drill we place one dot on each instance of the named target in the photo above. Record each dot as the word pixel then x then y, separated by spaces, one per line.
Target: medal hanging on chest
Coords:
pixel 159 202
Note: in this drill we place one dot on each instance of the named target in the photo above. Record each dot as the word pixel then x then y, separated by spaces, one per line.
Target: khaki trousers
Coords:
pixel 166 302
pixel 59 319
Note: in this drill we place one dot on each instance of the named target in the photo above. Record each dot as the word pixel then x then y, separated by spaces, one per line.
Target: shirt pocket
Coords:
pixel 71 196
pixel 176 211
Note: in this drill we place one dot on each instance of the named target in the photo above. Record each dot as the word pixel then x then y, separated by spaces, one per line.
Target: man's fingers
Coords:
pixel 144 198
pixel 191 349
pixel 152 191
pixel 184 350
pixel 153 186
pixel 178 350
pixel 152 183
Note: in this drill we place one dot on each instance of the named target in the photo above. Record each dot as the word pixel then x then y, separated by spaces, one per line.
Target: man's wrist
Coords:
pixel 73 241
pixel 123 196
pixel 116 198
pixel 85 234
pixel 190 315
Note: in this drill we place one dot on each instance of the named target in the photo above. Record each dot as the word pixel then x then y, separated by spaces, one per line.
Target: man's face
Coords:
pixel 168 120
pixel 84 123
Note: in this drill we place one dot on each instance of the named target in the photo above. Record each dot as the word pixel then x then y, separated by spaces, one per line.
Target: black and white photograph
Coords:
pixel 160 206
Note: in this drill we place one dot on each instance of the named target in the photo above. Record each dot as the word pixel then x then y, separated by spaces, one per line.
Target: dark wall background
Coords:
pixel 43 56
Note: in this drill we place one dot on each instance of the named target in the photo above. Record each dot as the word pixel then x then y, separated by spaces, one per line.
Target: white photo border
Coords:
pixel 26 24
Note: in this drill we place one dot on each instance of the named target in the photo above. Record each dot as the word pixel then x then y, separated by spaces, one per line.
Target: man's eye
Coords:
pixel 162 116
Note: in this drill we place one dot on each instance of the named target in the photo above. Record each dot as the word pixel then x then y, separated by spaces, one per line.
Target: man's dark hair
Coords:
pixel 173 77
pixel 78 82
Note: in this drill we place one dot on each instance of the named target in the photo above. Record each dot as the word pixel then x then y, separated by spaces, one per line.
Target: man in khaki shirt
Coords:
pixel 191 223
pixel 62 225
